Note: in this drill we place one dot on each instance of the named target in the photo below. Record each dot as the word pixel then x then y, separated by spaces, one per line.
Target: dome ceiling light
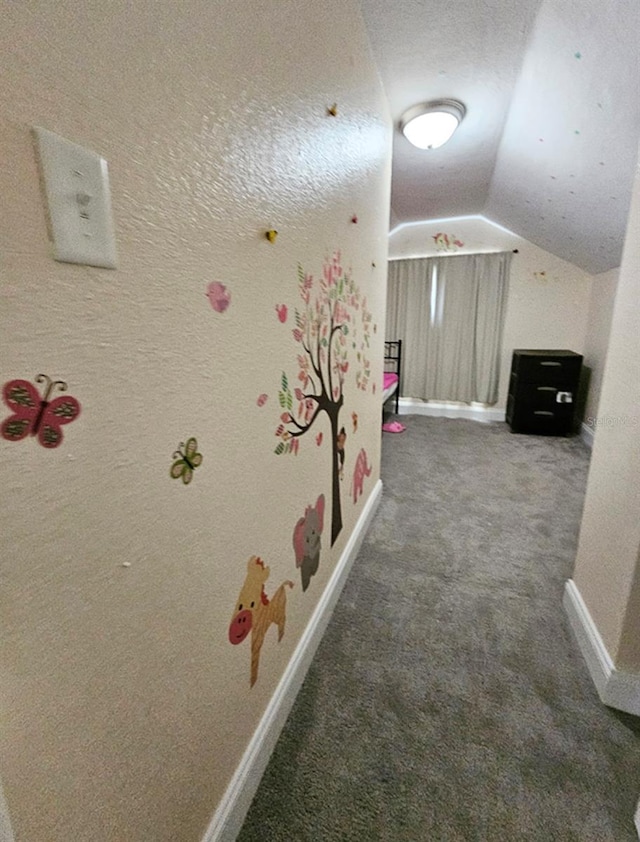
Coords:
pixel 432 124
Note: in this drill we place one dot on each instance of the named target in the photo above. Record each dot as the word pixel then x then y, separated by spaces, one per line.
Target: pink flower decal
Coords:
pixel 447 242
pixel 319 439
pixel 262 399
pixel 281 310
pixel 219 296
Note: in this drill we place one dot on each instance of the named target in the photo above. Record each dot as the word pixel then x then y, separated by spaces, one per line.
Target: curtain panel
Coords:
pixel 449 312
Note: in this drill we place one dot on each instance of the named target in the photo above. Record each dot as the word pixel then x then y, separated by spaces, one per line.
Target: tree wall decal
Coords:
pixel 331 327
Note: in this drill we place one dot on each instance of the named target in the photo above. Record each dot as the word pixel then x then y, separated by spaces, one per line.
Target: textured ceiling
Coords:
pixel 549 143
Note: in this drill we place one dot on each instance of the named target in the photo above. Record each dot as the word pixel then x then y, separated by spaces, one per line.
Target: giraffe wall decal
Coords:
pixel 255 612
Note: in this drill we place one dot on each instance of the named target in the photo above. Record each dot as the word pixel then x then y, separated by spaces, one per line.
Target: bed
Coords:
pixel 392 371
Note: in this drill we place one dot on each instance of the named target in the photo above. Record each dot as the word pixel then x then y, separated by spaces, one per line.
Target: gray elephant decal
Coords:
pixel 306 541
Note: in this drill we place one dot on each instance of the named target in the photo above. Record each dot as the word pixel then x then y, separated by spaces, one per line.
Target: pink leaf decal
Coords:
pixel 319 439
pixel 281 310
pixel 262 399
pixel 219 296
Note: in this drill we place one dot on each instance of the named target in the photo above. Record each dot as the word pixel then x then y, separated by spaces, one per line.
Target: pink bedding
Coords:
pixel 389 379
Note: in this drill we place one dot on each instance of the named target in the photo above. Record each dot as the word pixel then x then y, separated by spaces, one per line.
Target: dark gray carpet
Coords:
pixel 448 700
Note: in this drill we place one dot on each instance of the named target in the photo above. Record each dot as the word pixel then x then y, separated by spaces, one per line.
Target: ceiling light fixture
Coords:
pixel 432 124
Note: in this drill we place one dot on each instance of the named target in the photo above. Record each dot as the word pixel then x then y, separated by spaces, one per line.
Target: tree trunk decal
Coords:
pixel 332 325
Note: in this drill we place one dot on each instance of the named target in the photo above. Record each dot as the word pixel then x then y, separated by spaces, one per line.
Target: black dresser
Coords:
pixel 543 391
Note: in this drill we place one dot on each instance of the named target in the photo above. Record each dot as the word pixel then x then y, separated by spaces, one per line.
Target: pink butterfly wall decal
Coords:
pixel 219 296
pixel 35 415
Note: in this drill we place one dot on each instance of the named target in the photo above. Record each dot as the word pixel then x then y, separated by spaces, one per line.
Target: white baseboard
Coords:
pixel 586 434
pixel 232 810
pixel 617 689
pixel 450 409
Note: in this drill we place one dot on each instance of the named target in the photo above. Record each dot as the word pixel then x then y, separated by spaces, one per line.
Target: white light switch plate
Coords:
pixel 77 186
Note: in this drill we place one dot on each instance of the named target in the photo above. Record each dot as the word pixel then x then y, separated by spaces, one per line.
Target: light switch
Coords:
pixel 76 182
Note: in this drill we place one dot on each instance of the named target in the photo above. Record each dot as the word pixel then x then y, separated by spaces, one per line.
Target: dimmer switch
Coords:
pixel 76 182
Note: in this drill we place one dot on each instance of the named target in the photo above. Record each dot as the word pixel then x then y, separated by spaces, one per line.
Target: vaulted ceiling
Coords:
pixel 549 143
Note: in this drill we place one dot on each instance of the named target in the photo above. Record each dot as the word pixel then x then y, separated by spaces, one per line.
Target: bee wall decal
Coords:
pixel 36 415
pixel 186 462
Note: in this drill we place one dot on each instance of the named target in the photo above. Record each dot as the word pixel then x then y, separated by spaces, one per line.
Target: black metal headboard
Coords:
pixel 393 355
pixel 393 362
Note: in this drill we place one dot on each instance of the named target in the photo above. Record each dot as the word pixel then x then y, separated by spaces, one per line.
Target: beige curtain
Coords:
pixel 449 312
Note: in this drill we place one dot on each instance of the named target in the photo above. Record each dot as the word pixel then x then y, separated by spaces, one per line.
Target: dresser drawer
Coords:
pixel 546 367
pixel 552 422
pixel 542 396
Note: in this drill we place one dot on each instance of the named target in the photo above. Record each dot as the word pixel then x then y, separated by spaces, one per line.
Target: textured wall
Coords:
pixel 607 570
pixel 565 164
pixel 603 294
pixel 548 297
pixel 125 709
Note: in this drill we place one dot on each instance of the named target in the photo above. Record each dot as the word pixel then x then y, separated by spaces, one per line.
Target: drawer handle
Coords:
pixel 542 412
pixel 550 362
pixel 547 389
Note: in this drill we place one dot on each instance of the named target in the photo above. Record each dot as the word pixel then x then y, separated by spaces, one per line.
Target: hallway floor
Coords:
pixel 448 700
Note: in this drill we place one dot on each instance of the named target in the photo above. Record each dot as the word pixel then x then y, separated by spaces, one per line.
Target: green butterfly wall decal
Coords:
pixel 187 462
